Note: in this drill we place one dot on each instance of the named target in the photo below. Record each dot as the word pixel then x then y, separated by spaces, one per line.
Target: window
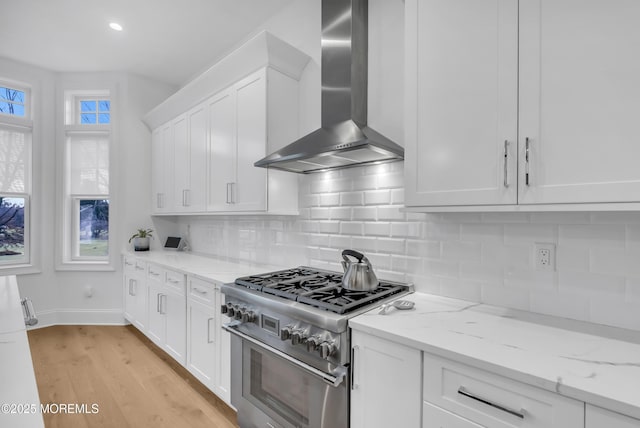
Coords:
pixel 12 101
pixel 94 111
pixel 86 178
pixel 15 175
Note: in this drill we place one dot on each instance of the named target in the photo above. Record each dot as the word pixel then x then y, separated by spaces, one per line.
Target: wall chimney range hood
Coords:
pixel 344 140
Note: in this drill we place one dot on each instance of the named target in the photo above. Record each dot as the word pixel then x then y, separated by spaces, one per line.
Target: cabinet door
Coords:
pixel 202 342
pixel 181 160
pixel 162 169
pixel 462 99
pixel 222 151
pixel 435 417
pixel 223 367
pixel 140 309
pixel 156 328
pixel 386 390
pixel 174 308
pixel 579 98
pixel 130 298
pixel 596 417
pixel 250 186
pixel 195 198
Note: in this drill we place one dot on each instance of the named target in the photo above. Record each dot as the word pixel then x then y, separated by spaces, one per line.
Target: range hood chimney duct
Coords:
pixel 344 139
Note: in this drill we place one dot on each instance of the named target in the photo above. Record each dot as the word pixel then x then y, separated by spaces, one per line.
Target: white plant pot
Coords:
pixel 141 244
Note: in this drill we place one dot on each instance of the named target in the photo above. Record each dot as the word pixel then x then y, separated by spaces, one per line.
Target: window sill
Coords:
pixel 85 266
pixel 21 269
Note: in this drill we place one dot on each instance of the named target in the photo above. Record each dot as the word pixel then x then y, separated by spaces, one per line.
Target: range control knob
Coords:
pixel 223 309
pixel 298 337
pixel 238 313
pixel 327 349
pixel 312 343
pixel 285 333
pixel 248 316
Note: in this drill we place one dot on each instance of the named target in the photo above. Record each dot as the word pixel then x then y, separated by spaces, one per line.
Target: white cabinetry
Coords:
pixel 167 311
pixel 596 417
pixel 162 166
pixel 207 344
pixel 435 417
pixel 526 103
pixel 135 292
pixel 490 400
pixel 386 383
pixel 246 107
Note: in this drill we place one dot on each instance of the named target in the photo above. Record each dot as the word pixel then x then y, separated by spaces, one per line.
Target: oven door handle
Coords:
pixel 334 379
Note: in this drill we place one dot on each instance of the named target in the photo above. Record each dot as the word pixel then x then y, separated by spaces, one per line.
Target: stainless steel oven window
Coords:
pixel 275 386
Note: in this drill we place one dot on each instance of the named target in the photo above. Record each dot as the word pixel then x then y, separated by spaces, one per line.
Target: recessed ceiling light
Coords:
pixel 115 26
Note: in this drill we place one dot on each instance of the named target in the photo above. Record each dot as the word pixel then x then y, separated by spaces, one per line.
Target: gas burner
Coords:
pixel 321 289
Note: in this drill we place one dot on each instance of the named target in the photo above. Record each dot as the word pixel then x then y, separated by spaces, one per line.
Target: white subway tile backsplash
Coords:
pixel 377 197
pixel 328 199
pixel 374 228
pixel 519 233
pixel 593 235
pixel 461 251
pixel 481 257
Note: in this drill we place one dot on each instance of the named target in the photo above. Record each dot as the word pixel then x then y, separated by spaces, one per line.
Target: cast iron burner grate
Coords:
pixel 321 289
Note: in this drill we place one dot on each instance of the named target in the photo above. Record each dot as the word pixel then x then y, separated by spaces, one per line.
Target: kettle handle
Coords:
pixel 354 253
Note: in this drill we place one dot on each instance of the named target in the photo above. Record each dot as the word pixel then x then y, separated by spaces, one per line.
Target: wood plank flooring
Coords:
pixel 133 382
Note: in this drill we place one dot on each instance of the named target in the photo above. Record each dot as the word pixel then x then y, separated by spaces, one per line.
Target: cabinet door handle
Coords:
pixel 355 348
pixel 209 339
pixel 526 160
pixel 517 413
pixel 229 191
pixel 29 312
pixel 160 306
pixel 185 198
pixel 158 303
pixel 131 289
pixel 506 163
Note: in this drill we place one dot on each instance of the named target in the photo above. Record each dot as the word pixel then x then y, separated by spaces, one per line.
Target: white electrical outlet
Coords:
pixel 545 256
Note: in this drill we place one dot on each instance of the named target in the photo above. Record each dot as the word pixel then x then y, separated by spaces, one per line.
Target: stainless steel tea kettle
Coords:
pixel 358 275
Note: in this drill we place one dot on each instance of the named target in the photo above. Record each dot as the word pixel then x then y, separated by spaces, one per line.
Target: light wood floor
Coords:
pixel 134 383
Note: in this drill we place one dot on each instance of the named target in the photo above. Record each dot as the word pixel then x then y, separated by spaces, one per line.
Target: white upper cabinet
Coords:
pixel 209 151
pixel 579 100
pixel 521 104
pixel 462 97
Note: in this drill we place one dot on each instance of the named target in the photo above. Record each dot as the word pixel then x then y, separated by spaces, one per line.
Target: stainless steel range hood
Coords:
pixel 344 140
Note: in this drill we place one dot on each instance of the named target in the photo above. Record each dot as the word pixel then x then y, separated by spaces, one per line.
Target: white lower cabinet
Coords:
pixel 492 401
pixel 167 311
pixel 208 353
pixel 596 417
pixel 386 383
pixel 435 417
pixel 135 292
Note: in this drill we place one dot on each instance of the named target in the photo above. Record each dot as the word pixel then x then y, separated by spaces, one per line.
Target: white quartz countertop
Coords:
pixel 18 390
pixel 587 362
pixel 206 268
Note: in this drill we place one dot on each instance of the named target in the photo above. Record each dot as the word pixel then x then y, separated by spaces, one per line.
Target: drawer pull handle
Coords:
pixel 200 290
pixel 516 413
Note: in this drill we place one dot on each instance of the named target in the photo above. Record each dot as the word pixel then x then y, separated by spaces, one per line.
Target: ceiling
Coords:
pixel 167 40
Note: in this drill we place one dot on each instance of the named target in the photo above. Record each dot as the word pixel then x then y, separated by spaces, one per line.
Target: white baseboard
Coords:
pixel 79 317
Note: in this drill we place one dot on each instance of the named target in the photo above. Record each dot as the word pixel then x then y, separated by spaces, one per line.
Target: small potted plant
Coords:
pixel 141 239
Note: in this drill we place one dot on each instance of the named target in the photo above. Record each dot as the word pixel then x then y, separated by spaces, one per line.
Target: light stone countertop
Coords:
pixel 205 268
pixel 592 363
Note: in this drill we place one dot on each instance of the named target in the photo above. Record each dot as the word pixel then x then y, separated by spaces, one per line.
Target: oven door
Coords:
pixel 272 389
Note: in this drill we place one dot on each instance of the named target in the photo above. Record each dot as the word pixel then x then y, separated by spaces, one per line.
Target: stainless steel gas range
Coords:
pixel 290 345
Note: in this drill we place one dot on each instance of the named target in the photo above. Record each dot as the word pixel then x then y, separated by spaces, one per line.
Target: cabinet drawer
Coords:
pixel 435 417
pixel 175 280
pixel 139 266
pixel 202 291
pixel 155 273
pixel 129 264
pixel 492 400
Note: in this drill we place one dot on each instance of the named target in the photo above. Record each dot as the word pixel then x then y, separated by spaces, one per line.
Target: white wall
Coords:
pixel 477 257
pixel 59 296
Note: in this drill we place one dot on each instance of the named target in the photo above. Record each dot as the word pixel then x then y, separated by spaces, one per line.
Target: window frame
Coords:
pixel 68 258
pixel 78 100
pixel 26 264
pixel 27 99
